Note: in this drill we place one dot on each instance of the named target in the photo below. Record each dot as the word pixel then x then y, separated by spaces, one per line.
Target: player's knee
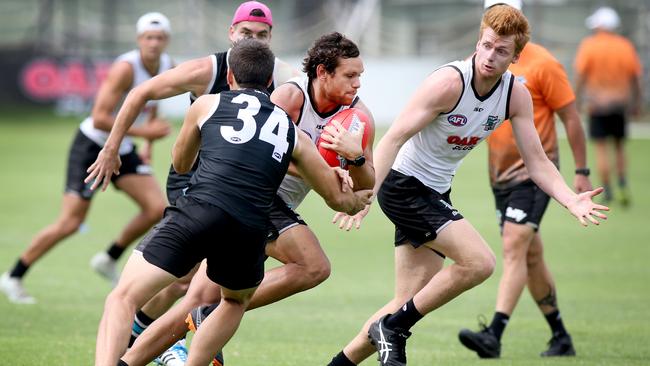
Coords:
pixel 120 298
pixel 486 266
pixel 178 289
pixel 154 212
pixel 315 271
pixel 69 226
pixel 318 273
pixel 482 267
pixel 534 257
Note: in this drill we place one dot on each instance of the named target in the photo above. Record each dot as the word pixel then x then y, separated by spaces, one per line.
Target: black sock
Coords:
pixel 341 360
pixel 622 182
pixel 499 322
pixel 115 251
pixel 140 322
pixel 405 317
pixel 122 363
pixel 555 322
pixel 19 269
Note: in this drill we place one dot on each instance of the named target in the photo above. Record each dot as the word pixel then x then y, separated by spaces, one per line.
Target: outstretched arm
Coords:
pixel 541 169
pixel 192 76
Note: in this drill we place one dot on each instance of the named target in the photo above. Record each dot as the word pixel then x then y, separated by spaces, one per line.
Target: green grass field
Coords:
pixel 602 272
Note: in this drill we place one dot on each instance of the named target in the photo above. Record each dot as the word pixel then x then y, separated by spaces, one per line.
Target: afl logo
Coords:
pixel 457 120
pixel 235 139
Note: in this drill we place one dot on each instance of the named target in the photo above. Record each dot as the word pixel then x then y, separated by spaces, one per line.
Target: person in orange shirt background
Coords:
pixel 608 72
pixel 521 203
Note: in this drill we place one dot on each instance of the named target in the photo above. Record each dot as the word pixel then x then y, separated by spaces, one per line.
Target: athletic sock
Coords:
pixel 341 360
pixel 622 182
pixel 115 251
pixel 122 363
pixel 555 322
pixel 498 325
pixel 405 317
pixel 140 322
pixel 19 269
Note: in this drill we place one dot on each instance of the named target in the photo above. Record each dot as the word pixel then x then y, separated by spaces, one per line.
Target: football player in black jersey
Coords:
pixel 246 144
pixel 205 75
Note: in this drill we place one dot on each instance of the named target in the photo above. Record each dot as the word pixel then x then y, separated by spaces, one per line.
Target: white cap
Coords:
pixel 604 17
pixel 153 21
pixel 514 3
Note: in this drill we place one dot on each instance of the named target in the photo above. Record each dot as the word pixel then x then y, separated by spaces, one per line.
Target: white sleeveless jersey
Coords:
pixel 433 154
pixel 140 75
pixel 293 189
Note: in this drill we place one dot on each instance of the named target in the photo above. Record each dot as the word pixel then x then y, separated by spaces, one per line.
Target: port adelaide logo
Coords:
pixel 457 120
pixel 491 123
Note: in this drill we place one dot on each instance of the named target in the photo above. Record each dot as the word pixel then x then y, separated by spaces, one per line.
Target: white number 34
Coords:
pixel 277 119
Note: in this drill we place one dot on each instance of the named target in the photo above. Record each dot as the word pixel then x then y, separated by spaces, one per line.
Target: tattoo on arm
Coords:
pixel 549 300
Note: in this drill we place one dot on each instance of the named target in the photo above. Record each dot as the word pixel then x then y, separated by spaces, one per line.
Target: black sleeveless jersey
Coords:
pixel 246 147
pixel 176 183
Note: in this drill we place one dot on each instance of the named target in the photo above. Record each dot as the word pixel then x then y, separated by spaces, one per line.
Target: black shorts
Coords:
pixel 193 230
pixel 177 184
pixel 523 204
pixel 610 124
pixel 83 153
pixel 417 211
pixel 281 218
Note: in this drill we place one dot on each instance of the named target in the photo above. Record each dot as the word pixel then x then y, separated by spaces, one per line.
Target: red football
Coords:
pixel 351 119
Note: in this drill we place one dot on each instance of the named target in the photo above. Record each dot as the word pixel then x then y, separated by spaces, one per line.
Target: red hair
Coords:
pixel 507 21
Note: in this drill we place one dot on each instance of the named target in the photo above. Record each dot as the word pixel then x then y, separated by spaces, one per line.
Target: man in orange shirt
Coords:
pixel 609 71
pixel 521 203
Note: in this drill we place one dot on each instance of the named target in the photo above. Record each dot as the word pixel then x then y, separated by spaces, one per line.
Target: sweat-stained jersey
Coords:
pixel 550 90
pixel 433 154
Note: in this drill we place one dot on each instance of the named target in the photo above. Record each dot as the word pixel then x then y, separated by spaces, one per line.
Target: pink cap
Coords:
pixel 253 11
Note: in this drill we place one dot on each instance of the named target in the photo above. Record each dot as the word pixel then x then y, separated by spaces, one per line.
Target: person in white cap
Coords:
pixel 521 204
pixel 135 179
pixel 150 25
pixel 455 108
pixel 609 78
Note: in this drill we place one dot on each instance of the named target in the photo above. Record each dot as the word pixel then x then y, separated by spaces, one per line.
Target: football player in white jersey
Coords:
pixel 129 70
pixel 455 108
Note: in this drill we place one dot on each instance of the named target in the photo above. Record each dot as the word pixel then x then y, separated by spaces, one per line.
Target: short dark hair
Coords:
pixel 326 51
pixel 252 63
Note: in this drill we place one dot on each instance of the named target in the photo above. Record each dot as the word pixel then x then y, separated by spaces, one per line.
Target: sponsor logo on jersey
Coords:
pixel 457 120
pixel 463 143
pixel 516 214
pixel 491 123
pixel 478 109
